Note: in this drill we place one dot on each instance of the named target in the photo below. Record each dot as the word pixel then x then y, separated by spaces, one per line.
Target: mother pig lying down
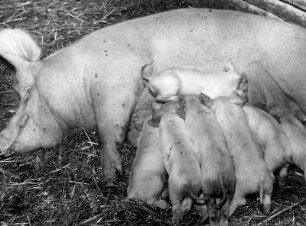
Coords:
pixel 80 86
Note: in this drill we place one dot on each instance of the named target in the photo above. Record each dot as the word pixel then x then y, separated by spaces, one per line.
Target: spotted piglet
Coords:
pixel 146 180
pixel 179 159
pixel 252 174
pixel 217 168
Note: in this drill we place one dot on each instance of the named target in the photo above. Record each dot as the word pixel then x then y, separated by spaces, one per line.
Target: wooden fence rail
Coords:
pixel 289 10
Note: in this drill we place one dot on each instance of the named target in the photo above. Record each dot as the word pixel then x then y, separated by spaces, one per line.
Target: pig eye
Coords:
pixel 23 120
pixel 27 92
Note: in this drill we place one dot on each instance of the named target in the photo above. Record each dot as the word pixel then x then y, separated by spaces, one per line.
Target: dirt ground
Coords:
pixel 61 186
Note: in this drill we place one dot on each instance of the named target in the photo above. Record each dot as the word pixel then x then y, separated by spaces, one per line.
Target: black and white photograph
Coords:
pixel 152 112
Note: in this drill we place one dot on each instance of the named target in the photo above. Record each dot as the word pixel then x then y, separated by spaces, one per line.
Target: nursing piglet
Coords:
pixel 296 133
pixel 146 180
pixel 252 174
pixel 271 137
pixel 217 168
pixel 168 84
pixel 179 159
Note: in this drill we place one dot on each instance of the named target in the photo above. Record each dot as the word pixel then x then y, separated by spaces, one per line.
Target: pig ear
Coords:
pixel 275 110
pixel 270 107
pixel 26 92
pixel 205 100
pixel 242 89
pixel 17 47
pixel 236 98
pixel 229 67
pixel 181 101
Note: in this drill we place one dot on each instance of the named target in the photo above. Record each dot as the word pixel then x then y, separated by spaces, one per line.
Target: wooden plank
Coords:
pixel 298 3
pixel 282 10
pixel 247 7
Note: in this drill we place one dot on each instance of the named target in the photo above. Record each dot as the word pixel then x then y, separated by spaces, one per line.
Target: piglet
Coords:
pixel 146 180
pixel 217 168
pixel 296 134
pixel 252 174
pixel 272 139
pixel 179 159
pixel 166 85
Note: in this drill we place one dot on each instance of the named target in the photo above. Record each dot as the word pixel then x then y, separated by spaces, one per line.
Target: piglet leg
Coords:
pixel 180 209
pixel 266 202
pixel 238 200
pixel 282 176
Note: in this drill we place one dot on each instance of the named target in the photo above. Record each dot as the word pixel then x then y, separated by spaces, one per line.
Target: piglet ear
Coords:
pixel 17 47
pixel 229 67
pixel 181 101
pixel 205 100
pixel 236 98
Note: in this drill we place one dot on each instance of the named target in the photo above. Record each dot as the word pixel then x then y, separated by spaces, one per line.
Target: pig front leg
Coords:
pixel 113 112
pixel 265 191
pixel 111 135
pixel 266 202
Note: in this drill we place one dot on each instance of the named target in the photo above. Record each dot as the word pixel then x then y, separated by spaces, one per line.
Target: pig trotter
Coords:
pixel 161 204
pixel 112 166
pixel 176 214
pixel 267 204
pixel 282 176
pixel 267 209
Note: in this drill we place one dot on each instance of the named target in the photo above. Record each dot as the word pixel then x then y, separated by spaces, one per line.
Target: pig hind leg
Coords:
pixel 218 215
pixel 180 201
pixel 265 195
pixel 180 209
pixel 224 213
pixel 282 175
pixel 238 200
pixel 202 211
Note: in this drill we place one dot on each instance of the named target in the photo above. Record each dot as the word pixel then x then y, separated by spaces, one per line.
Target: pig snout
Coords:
pixel 6 142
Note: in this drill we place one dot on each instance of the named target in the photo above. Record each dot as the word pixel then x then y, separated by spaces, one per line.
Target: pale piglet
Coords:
pixel 272 139
pixel 252 174
pixel 146 180
pixel 217 168
pixel 167 84
pixel 296 133
pixel 179 160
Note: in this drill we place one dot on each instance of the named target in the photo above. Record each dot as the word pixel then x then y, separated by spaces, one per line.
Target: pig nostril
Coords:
pixel 2 157
pixel 4 141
